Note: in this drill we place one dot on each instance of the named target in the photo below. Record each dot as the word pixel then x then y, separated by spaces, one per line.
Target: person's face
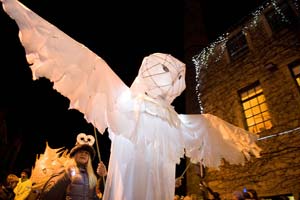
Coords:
pixel 82 157
pixel 23 176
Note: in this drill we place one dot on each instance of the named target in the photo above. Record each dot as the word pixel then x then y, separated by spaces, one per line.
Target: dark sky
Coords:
pixel 121 32
pixel 219 16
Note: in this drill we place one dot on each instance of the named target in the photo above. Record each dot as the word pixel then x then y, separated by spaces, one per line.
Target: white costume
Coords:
pixel 148 136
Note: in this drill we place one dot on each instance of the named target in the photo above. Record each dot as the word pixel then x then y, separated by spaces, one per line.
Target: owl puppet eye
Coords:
pixel 165 68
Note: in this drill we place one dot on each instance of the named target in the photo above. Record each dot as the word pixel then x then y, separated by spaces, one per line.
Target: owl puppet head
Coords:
pixel 161 77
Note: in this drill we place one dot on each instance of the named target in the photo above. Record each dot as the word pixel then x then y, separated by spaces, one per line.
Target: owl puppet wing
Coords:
pixel 77 73
pixel 212 139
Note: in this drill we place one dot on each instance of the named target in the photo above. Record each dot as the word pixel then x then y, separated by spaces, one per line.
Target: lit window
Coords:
pixel 255 109
pixel 295 69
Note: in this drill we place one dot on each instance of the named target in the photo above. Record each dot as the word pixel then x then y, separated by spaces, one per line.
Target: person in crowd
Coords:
pixel 283 197
pixel 77 179
pixel 250 194
pixel 178 181
pixel 188 197
pixel 24 186
pixel 216 196
pixel 237 195
pixel 6 190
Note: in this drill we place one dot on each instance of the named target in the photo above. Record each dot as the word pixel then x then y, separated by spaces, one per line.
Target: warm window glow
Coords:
pixel 296 73
pixel 255 109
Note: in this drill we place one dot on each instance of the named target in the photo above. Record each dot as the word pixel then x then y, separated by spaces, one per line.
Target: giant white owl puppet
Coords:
pixel 148 136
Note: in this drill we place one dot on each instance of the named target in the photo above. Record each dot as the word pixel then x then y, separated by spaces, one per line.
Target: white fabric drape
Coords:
pixel 148 136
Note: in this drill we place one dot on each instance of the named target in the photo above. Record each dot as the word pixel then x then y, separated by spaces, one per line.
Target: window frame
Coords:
pixel 258 111
pixel 296 77
pixel 274 19
pixel 237 45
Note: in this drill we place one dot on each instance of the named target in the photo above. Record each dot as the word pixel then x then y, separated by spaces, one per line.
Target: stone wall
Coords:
pixel 278 170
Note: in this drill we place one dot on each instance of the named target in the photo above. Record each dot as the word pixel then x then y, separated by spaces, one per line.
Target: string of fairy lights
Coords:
pixel 296 3
pixel 201 61
pixel 215 50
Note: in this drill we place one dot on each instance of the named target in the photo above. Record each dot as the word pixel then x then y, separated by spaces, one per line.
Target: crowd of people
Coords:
pixel 249 194
pixel 16 188
pixel 6 189
pixel 245 194
pixel 76 180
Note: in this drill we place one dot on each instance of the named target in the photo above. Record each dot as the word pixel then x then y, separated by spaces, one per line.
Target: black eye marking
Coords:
pixel 165 68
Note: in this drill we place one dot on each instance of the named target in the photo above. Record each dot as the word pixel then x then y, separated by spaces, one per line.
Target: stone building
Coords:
pixel 250 77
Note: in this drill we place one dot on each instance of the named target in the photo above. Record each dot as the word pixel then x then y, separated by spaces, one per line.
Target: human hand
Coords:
pixel 101 169
pixel 178 181
pixel 70 169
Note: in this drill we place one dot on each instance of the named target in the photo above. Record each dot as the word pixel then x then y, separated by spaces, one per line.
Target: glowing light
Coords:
pixel 214 51
pixel 296 3
pixel 278 11
pixel 278 134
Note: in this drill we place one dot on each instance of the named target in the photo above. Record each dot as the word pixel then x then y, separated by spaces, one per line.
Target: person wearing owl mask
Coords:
pixel 77 180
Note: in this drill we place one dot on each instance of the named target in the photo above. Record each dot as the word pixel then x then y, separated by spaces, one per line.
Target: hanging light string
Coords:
pixel 281 133
pixel 201 61
pixel 296 3
pixel 214 52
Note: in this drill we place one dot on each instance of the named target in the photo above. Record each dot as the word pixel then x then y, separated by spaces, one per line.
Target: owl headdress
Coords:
pixel 84 142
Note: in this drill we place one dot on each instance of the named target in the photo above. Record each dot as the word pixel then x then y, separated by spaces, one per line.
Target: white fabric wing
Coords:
pixel 77 73
pixel 212 139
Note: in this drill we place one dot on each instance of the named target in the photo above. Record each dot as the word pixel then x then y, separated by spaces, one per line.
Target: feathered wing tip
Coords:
pixel 46 164
pixel 85 79
pixel 212 139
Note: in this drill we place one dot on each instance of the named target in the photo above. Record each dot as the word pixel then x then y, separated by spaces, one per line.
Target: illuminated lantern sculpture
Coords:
pixel 148 136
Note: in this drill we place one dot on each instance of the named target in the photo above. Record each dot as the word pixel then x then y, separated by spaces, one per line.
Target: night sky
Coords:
pixel 121 32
